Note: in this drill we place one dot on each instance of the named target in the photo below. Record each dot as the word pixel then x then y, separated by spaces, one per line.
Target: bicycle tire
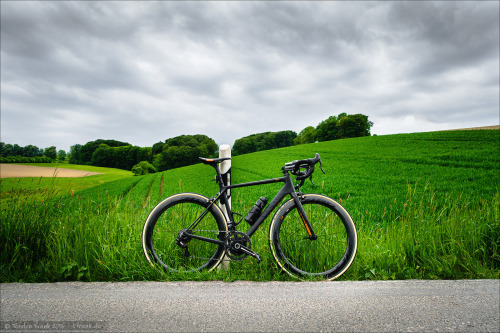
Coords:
pixel 168 218
pixel 327 257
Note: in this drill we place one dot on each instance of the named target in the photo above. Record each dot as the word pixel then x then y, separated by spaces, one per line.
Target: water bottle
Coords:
pixel 254 213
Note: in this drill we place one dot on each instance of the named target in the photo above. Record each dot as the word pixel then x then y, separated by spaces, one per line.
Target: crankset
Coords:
pixel 238 246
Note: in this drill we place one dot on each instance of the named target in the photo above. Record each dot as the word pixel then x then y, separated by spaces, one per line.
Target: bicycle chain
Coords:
pixel 226 255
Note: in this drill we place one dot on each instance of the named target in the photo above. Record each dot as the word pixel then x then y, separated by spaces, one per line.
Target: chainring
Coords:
pixel 233 241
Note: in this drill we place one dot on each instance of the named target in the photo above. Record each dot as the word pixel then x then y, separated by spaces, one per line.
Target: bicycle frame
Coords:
pixel 287 189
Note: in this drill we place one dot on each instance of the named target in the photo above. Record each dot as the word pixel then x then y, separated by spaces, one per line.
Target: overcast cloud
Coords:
pixel 142 72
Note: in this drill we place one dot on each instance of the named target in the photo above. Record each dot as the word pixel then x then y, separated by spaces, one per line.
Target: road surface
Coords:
pixel 365 306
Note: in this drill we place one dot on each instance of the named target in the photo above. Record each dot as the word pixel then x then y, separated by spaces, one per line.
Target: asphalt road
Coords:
pixel 450 306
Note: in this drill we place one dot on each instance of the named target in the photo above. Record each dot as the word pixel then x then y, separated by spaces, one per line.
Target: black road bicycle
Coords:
pixel 310 234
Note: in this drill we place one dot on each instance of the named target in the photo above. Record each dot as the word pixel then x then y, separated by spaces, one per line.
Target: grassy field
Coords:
pixel 426 206
pixel 13 187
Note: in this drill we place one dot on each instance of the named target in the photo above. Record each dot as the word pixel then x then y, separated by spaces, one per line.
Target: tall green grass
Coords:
pixel 426 206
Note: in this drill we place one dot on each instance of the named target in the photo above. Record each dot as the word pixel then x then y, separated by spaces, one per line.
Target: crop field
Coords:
pixel 13 187
pixel 426 206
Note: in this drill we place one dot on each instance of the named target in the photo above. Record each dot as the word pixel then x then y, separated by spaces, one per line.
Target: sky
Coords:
pixel 143 72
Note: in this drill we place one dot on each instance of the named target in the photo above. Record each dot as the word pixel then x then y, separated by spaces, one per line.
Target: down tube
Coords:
pixel 272 205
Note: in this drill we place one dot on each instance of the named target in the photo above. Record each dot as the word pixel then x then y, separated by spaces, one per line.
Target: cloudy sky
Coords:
pixel 142 72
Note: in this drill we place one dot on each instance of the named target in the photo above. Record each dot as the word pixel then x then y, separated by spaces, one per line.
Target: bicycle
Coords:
pixel 309 235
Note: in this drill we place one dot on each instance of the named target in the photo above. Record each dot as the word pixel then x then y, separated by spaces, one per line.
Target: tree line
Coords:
pixel 342 126
pixel 14 153
pixel 164 155
pixel 184 150
pixel 263 141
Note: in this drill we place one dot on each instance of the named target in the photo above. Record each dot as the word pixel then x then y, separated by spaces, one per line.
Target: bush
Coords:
pixel 23 159
pixel 143 168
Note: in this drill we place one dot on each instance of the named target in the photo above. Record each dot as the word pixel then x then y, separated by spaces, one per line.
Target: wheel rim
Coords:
pixel 324 256
pixel 199 255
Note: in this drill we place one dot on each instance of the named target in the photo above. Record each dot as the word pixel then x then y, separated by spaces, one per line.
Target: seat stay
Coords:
pixel 195 223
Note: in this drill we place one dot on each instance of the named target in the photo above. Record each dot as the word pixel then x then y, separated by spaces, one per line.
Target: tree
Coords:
pixel 145 154
pixel 74 153
pixel 243 146
pixel 283 139
pixel 103 156
pixel 343 126
pixel 341 115
pixel 327 129
pixel 183 150
pixel 17 150
pixel 31 151
pixel 51 152
pixel 263 141
pixel 7 150
pixel 353 126
pixel 177 156
pixel 307 135
pixel 157 148
pixel 88 149
pixel 61 155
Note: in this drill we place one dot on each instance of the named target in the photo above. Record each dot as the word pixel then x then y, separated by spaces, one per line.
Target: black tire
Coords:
pixel 165 222
pixel 327 257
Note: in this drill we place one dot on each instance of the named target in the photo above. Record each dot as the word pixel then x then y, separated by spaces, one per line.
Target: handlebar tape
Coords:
pixel 308 164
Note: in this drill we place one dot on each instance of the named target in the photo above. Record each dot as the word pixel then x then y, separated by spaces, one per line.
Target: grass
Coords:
pixel 13 187
pixel 426 206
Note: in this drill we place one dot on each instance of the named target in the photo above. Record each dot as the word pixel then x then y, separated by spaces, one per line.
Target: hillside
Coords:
pixel 426 205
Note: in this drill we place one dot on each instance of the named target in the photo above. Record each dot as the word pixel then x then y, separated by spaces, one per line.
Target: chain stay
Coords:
pixel 225 245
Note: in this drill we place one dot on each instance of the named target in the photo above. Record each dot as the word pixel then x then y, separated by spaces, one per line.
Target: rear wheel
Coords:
pixel 326 257
pixel 166 240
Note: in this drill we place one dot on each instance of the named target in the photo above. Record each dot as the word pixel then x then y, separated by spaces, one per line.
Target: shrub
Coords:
pixel 143 168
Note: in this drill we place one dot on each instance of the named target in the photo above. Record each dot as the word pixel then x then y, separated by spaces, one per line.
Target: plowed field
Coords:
pixel 17 170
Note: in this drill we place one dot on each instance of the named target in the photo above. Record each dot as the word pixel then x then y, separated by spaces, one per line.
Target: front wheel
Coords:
pixel 163 241
pixel 328 256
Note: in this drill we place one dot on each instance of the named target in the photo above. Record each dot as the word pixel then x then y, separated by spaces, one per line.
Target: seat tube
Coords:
pixel 229 216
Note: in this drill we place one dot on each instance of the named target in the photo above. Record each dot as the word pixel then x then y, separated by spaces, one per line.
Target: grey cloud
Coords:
pixel 444 36
pixel 144 71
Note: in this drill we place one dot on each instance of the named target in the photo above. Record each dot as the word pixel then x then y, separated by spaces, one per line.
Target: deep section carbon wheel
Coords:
pixel 167 240
pixel 326 257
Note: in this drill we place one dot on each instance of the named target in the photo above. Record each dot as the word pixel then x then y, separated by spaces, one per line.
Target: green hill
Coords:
pixel 426 205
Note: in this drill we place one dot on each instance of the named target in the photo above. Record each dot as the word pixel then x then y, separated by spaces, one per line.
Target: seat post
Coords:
pixel 225 177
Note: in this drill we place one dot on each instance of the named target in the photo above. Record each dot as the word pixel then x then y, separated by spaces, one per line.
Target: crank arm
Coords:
pixel 246 250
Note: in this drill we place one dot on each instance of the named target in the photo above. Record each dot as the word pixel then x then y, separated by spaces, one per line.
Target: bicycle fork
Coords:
pixel 303 216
